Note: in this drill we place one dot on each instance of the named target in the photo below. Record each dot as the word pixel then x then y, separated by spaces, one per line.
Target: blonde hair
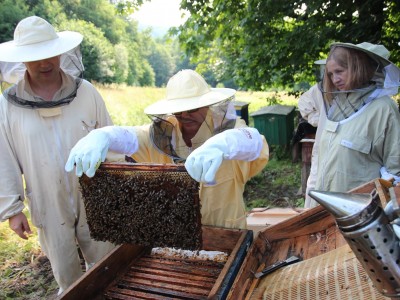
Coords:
pixel 360 68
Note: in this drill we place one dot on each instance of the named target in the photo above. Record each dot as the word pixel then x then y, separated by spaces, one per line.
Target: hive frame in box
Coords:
pixel 106 274
pixel 313 236
pixel 148 204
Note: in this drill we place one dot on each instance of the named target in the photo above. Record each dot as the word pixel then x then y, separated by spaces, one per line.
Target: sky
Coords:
pixel 159 14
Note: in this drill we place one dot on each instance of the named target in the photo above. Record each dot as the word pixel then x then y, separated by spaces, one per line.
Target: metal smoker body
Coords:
pixel 367 229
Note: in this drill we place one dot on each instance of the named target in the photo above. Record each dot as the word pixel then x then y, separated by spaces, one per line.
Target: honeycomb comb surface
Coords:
pixel 145 204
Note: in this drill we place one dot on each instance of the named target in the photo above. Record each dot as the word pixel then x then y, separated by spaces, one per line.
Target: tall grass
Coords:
pixel 126 104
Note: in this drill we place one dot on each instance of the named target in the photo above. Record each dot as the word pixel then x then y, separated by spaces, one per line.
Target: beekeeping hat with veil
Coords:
pixel 35 39
pixel 386 79
pixel 187 91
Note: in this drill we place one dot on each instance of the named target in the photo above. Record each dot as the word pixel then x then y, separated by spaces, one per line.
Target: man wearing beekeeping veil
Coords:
pixel 194 124
pixel 41 117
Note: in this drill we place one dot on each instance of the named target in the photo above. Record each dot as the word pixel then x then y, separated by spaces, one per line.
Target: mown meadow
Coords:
pixel 25 272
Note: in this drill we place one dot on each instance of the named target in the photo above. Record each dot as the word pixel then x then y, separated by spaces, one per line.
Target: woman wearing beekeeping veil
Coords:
pixel 362 132
pixel 197 125
pixel 48 109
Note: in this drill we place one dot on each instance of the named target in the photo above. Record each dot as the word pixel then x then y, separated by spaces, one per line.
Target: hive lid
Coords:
pixel 240 103
pixel 274 109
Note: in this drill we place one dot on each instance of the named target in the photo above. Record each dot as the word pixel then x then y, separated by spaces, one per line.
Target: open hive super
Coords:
pixel 146 204
pixel 135 272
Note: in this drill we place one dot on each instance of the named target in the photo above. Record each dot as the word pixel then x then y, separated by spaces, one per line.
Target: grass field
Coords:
pixel 24 271
pixel 126 104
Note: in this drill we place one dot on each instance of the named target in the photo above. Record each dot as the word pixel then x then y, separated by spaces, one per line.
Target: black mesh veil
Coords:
pixel 164 128
pixel 70 63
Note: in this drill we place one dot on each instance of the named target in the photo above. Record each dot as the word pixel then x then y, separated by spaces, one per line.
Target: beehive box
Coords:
pixel 131 272
pixel 147 204
pixel 328 268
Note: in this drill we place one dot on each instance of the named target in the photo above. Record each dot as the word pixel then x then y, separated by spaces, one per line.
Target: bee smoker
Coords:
pixel 366 227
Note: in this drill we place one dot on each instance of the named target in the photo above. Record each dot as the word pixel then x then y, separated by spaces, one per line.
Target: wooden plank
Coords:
pixel 152 291
pixel 221 239
pixel 302 224
pixel 163 288
pixel 186 267
pixel 103 273
pixel 254 282
pixel 169 277
pixel 300 247
pixel 115 294
pixel 229 263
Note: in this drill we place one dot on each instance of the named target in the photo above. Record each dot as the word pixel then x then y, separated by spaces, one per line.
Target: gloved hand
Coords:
pixel 239 143
pixel 91 150
pixel 386 175
pixel 88 153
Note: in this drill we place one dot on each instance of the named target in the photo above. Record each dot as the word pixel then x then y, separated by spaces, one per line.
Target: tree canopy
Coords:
pixel 113 49
pixel 262 44
pixel 244 44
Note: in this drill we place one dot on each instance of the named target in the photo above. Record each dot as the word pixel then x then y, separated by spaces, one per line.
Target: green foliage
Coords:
pixel 9 18
pixel 264 44
pixel 162 63
pixel 274 99
pixel 113 49
pixel 280 152
pixel 121 63
pixel 148 76
pixel 97 51
pixel 126 7
pixel 276 185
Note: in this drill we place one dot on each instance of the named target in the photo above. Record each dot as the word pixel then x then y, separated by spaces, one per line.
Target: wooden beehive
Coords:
pixel 328 268
pixel 147 204
pixel 132 272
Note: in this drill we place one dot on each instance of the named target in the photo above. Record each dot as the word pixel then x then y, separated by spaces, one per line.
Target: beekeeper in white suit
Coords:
pixel 41 118
pixel 196 124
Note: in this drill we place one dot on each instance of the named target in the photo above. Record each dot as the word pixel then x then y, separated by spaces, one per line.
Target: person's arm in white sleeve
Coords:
pixel 11 184
pixel 310 104
pixel 232 144
pixel 92 150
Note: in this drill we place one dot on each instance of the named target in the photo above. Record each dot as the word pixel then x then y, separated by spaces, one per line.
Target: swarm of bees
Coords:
pixel 148 205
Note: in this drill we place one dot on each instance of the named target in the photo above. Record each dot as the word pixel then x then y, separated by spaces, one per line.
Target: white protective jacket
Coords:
pixel 352 151
pixel 311 107
pixel 36 143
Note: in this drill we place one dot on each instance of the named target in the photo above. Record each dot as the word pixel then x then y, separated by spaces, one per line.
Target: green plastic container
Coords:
pixel 276 123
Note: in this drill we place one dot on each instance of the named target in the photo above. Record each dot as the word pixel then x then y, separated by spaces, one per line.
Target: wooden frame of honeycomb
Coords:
pixel 153 205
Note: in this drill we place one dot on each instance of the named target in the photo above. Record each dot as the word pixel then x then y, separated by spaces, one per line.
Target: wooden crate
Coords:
pixel 130 272
pixel 328 269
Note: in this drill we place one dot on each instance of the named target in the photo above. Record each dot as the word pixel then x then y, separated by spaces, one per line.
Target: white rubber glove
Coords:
pixel 92 149
pixel 386 175
pixel 239 143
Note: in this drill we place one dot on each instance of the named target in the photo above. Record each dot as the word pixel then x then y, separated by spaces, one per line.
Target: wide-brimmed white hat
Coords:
pixel 187 90
pixel 35 39
pixel 377 52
